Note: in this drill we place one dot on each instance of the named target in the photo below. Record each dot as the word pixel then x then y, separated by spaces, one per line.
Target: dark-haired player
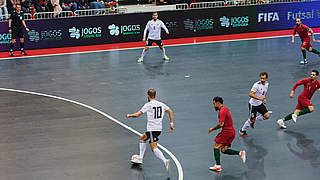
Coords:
pixel 304 105
pixel 303 32
pixel 224 139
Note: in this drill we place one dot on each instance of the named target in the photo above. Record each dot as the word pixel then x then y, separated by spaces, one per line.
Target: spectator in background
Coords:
pixel 42 5
pixel 82 4
pixel 69 5
pixel 96 4
pixel 56 7
pixel 3 9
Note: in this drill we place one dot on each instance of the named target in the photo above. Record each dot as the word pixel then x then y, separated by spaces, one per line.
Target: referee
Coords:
pixel 16 21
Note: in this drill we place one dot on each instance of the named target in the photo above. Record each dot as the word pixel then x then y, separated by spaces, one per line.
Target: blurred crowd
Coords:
pixel 32 6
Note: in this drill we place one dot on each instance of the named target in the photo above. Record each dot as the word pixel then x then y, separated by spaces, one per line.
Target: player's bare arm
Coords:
pixel 218 126
pixel 25 26
pixel 171 116
pixel 291 94
pixel 137 114
pixel 10 21
pixel 312 35
pixel 292 40
pixel 253 95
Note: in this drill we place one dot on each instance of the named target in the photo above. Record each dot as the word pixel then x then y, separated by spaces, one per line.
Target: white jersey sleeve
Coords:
pixel 164 27
pixel 259 90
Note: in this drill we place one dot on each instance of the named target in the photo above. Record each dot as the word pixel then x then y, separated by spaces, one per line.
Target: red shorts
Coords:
pixel 303 103
pixel 225 138
pixel 306 44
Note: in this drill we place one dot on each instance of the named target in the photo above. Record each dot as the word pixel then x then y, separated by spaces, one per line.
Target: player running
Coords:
pixel 258 94
pixel 224 139
pixel 155 112
pixel 304 105
pixel 154 28
pixel 303 31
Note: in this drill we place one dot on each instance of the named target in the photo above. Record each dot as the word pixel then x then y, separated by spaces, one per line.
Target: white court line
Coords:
pixel 179 167
pixel 120 49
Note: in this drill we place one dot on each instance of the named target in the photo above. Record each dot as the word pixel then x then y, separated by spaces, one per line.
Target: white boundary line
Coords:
pixel 120 49
pixel 179 167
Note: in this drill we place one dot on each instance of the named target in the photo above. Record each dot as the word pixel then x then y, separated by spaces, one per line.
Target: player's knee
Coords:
pixel 310 49
pixel 252 119
pixel 311 109
pixel 266 116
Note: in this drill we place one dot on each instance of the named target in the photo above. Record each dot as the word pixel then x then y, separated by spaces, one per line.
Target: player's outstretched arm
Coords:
pixel 291 94
pixel 137 114
pixel 218 126
pixel 312 35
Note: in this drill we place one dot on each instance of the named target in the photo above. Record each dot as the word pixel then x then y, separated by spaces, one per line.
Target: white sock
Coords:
pixel 144 52
pixel 246 125
pixel 260 118
pixel 163 51
pixel 143 146
pixel 159 155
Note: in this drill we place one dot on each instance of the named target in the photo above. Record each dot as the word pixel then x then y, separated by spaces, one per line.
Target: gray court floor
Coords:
pixel 45 138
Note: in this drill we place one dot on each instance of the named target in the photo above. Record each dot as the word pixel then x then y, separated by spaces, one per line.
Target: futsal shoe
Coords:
pixel 165 58
pixel 216 168
pixel 11 54
pixel 136 160
pixel 167 165
pixel 281 124
pixel 304 62
pixel 243 156
pixel 294 117
pixel 140 60
pixel 243 133
pixel 23 52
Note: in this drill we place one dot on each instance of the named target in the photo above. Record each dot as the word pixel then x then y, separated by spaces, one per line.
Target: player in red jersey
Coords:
pixel 304 105
pixel 224 139
pixel 303 32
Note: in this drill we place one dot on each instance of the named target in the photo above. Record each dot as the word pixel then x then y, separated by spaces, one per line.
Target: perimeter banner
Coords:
pixel 52 33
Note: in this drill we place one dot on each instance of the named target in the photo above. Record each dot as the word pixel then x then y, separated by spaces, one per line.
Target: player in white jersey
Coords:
pixel 258 95
pixel 155 112
pixel 154 28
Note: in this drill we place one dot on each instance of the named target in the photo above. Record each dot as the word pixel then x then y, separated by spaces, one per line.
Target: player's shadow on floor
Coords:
pixel 154 69
pixel 304 148
pixel 255 160
pixel 136 172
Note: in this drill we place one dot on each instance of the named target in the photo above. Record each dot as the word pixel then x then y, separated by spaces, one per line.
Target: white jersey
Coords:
pixel 154 28
pixel 155 112
pixel 259 90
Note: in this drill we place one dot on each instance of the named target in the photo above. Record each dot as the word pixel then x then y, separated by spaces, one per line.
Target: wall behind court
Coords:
pixel 52 33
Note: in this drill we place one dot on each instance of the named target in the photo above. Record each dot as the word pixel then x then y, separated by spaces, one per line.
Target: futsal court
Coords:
pixel 68 136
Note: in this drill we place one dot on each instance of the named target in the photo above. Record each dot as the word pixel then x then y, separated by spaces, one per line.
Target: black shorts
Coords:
pixel 149 42
pixel 17 33
pixel 153 136
pixel 254 109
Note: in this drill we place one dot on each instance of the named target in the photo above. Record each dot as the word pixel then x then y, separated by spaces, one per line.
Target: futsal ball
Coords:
pixel 135 156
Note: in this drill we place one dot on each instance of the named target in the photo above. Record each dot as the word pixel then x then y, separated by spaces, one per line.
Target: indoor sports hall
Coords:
pixel 63 110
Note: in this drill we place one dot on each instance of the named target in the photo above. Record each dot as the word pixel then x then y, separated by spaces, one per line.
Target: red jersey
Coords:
pixel 303 32
pixel 309 87
pixel 225 116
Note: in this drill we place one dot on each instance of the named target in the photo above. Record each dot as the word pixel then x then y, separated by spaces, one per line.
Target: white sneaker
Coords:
pixel 243 156
pixel 140 59
pixel 167 164
pixel 304 62
pixel 136 160
pixel 294 117
pixel 281 124
pixel 216 168
pixel 165 58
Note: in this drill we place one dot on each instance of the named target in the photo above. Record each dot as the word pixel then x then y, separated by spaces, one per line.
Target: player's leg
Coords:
pixel 250 122
pixel 13 40
pixel 142 147
pixel 22 44
pixel 216 154
pixel 164 56
pixel 144 52
pixel 304 108
pixel 154 146
pixel 314 51
pixel 304 53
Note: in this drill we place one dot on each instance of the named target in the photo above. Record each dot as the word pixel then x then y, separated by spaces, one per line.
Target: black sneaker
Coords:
pixel 11 54
pixel 252 125
pixel 243 133
pixel 23 52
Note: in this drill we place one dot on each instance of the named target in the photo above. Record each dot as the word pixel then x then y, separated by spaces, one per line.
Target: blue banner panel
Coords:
pixel 284 15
